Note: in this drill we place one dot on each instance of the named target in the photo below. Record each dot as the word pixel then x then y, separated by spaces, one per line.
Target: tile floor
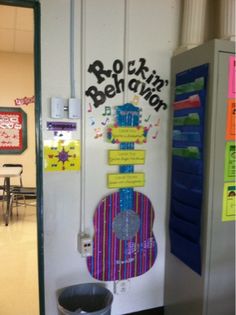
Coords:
pixel 18 263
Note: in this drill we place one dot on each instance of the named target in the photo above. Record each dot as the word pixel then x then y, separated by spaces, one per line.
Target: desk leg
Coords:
pixel 7 182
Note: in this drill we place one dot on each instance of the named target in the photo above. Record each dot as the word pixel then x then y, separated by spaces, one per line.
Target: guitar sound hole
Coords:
pixel 126 224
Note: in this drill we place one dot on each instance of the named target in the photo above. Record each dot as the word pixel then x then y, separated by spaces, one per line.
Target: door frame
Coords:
pixel 35 5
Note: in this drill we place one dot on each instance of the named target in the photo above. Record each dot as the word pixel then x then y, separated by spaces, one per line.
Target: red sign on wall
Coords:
pixel 13 130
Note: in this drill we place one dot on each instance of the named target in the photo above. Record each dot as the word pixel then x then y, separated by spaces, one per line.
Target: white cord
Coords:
pixel 72 49
pixel 125 51
pixel 83 122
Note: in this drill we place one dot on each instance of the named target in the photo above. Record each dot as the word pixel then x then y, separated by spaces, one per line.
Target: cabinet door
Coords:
pixel 221 287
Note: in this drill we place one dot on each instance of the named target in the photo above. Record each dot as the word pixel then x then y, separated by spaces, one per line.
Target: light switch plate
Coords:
pixel 74 108
pixel 57 107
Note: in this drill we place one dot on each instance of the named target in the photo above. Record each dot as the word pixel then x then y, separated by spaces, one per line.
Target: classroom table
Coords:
pixel 7 173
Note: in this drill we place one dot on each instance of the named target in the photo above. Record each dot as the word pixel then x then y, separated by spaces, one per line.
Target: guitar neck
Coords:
pixel 127 116
pixel 126 194
pixel 126 168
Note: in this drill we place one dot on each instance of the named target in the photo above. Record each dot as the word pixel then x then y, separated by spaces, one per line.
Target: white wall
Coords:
pixel 152 33
pixel 17 81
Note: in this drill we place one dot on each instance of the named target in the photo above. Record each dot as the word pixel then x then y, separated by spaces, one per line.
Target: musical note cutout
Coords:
pixel 92 121
pixel 158 122
pixel 149 127
pixel 147 119
pixel 107 111
pixel 135 100
pixel 90 108
pixel 98 133
pixel 105 122
pixel 155 135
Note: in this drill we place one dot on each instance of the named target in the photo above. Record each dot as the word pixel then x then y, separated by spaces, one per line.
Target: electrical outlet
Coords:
pixel 122 286
pixel 85 245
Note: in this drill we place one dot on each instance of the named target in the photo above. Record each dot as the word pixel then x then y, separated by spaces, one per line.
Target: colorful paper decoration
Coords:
pixel 13 130
pixel 24 101
pixel 123 243
pixel 61 155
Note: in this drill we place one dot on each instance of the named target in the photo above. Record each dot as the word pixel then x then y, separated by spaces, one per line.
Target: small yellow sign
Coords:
pixel 127 180
pixel 61 155
pixel 229 202
pixel 127 134
pixel 126 157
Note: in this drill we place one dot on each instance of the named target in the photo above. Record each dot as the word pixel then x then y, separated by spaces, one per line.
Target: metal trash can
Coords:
pixel 88 298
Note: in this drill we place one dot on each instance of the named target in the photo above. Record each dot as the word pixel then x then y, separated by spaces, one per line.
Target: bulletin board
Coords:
pixel 13 130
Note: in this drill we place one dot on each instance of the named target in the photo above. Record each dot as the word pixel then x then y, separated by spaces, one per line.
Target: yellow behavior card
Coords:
pixel 61 155
pixel 229 204
pixel 127 180
pixel 117 134
pixel 126 157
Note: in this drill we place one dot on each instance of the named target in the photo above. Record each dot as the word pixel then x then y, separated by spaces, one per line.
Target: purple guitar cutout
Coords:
pixel 123 243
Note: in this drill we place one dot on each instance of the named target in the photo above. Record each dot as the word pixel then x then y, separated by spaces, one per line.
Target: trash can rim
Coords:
pixel 91 285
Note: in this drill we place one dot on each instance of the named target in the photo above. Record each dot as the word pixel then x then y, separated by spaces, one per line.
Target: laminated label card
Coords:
pixel 128 180
pixel 126 157
pixel 127 134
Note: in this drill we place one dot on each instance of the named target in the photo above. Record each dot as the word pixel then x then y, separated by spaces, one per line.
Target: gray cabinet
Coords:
pixel 212 292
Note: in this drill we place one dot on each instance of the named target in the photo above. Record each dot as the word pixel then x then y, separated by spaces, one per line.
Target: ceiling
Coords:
pixel 16 29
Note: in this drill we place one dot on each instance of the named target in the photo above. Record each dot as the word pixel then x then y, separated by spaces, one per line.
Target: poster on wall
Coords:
pixel 13 130
pixel 61 155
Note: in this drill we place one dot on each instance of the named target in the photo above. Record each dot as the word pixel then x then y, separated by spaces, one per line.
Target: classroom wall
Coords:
pixel 17 81
pixel 151 32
